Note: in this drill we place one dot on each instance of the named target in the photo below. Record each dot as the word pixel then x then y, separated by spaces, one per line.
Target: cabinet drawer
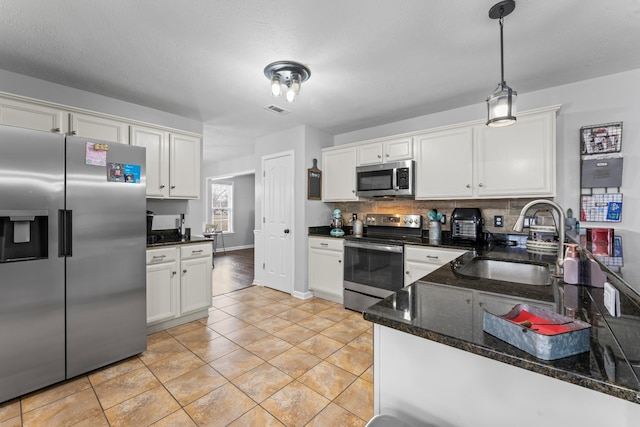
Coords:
pixel 332 244
pixel 438 256
pixel 195 251
pixel 158 256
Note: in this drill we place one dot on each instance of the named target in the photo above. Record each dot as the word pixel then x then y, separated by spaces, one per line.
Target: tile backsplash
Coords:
pixel 509 208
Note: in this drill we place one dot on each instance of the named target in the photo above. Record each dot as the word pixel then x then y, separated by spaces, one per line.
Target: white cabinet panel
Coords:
pixel 184 166
pixel 95 127
pixel 339 174
pixel 391 150
pixel 444 167
pixel 32 116
pixel 156 143
pixel 162 289
pixel 326 267
pixel 195 284
pixel 422 260
pixel 518 160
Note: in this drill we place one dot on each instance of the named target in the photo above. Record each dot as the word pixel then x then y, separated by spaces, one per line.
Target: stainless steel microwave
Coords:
pixel 386 179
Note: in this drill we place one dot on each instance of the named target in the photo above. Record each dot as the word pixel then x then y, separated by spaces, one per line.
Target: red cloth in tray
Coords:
pixel 539 324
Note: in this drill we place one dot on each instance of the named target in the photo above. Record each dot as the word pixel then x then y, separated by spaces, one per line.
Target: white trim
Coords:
pixel 302 295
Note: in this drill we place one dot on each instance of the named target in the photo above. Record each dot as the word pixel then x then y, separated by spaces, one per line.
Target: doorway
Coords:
pixel 277 221
pixel 233 271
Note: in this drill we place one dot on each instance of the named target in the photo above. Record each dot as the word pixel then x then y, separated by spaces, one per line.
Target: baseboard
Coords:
pixel 302 295
pixel 233 248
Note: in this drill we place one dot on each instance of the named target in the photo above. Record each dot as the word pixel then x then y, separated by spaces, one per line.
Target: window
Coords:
pixel 221 205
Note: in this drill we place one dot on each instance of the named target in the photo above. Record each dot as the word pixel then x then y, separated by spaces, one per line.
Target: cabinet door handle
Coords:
pixel 468 301
pixel 162 186
pixel 174 273
pixel 199 251
pixel 159 256
pixel 379 156
pixel 173 186
pixel 407 273
pixel 56 130
pixel 433 257
pixel 387 154
pixel 324 244
pixel 481 304
pixel 468 185
pixel 481 185
pixel 184 271
pixel 73 132
pixel 353 191
pixel 339 261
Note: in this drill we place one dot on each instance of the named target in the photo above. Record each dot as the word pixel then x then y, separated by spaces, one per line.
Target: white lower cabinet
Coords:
pixel 326 267
pixel 29 115
pixel 422 260
pixel 195 281
pixel 162 284
pixel 178 285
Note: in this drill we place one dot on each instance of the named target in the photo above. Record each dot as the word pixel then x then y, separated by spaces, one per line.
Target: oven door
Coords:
pixel 374 269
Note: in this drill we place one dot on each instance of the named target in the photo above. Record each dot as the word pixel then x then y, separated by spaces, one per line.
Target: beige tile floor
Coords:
pixel 261 358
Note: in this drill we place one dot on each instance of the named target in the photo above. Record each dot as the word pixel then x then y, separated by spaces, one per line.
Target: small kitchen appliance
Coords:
pixel 467 224
pixel 386 180
pixel 336 224
pixel 374 264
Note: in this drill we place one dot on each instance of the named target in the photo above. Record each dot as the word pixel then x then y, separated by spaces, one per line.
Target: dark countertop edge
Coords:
pixel 580 380
pixel 191 241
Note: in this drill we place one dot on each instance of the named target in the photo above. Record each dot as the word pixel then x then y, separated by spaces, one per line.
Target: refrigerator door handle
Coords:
pixel 64 233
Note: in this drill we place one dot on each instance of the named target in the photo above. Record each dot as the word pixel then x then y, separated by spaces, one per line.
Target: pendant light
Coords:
pixel 501 104
pixel 288 74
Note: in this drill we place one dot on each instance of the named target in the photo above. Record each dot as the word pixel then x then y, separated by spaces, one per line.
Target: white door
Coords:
pixel 277 181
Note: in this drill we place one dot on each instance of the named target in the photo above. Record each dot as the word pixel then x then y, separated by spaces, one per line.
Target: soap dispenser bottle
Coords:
pixel 571 264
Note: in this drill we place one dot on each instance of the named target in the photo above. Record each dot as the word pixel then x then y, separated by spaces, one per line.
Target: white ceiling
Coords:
pixel 371 61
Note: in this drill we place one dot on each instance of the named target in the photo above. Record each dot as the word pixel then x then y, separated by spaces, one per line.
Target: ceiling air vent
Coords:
pixel 277 110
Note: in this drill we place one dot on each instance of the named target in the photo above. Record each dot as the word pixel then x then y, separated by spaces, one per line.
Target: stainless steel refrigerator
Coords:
pixel 72 257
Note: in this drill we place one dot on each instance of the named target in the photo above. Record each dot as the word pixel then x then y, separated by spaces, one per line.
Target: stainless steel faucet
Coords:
pixel 559 227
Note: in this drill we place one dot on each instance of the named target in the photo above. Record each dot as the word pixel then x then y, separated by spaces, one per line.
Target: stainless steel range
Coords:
pixel 374 264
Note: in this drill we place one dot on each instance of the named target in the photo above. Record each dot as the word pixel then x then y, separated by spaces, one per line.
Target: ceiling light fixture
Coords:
pixel 501 104
pixel 288 73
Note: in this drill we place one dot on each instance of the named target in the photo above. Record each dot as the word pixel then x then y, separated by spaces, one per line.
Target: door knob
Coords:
pixel 286 231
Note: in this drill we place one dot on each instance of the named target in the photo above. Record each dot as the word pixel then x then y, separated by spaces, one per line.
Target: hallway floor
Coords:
pixel 261 358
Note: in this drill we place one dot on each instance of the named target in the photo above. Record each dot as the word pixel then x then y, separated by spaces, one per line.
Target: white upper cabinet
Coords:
pixel 339 174
pixel 391 150
pixel 94 127
pixel 32 116
pixel 157 144
pixel 476 161
pixel 184 166
pixel 173 162
pixel 518 160
pixel 444 164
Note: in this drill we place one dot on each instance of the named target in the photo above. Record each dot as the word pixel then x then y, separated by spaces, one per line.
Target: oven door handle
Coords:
pixel 375 246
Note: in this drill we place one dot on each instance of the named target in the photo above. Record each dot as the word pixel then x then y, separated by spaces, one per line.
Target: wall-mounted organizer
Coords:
pixel 601 172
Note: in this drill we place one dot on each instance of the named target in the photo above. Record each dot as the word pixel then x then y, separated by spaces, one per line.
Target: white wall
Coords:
pixel 306 143
pixel 606 99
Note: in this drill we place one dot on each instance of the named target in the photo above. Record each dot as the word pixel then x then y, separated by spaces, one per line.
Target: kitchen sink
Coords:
pixel 528 273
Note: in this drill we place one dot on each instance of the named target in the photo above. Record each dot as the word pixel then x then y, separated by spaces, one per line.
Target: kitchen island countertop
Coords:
pixel 409 311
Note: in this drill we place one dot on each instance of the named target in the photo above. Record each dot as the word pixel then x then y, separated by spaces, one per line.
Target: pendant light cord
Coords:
pixel 502 83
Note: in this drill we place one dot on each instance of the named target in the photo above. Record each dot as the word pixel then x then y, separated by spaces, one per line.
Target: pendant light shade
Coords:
pixel 288 74
pixel 501 104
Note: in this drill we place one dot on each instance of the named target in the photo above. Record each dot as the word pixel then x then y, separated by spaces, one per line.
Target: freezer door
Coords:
pixel 31 272
pixel 106 281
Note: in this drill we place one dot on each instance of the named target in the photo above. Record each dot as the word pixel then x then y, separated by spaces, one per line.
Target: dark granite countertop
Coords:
pixel 165 243
pixel 614 340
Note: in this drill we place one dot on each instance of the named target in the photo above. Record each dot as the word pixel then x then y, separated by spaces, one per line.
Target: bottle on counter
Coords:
pixel 571 264
pixel 357 226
